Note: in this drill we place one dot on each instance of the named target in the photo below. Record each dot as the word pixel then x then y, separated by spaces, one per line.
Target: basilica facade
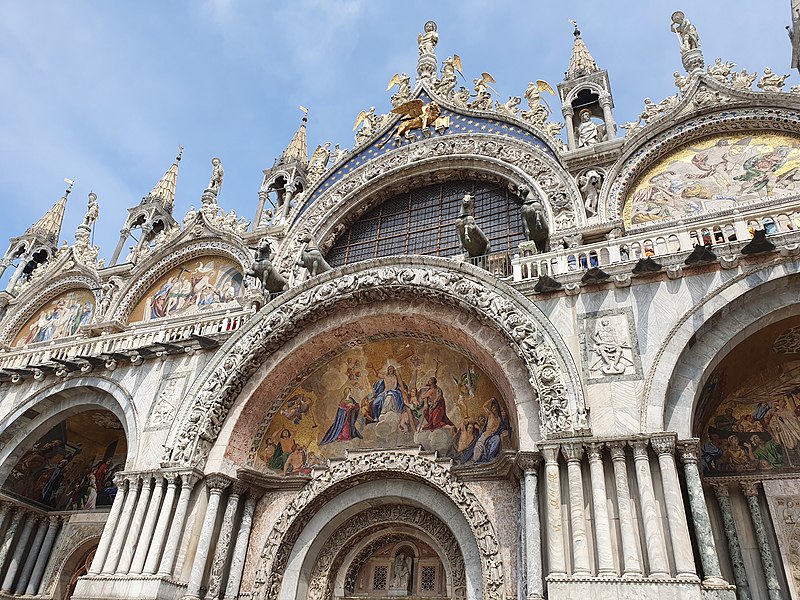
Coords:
pixel 485 355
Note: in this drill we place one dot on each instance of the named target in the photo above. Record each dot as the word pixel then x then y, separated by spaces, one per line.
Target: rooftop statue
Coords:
pixel 369 124
pixel 417 115
pixel 687 33
pixel 428 39
pixel 447 84
pixel 538 110
pixel 216 175
pixel 743 80
pixel 771 82
pixel 721 71
pixel 483 99
pixel 403 84
pixel 92 211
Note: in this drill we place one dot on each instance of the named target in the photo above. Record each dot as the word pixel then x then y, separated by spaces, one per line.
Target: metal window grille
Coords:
pixel 427 581
pixel 379 577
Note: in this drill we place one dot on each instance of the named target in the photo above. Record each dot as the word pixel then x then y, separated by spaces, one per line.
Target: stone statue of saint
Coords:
pixel 401 573
pixel 92 211
pixel 588 133
pixel 216 175
pixel 427 41
pixel 687 33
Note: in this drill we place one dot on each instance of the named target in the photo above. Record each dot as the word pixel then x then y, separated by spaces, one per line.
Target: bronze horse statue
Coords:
pixel 473 240
pixel 534 220
pixel 264 271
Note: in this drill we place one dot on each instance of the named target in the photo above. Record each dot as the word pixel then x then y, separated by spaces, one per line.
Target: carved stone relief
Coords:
pixel 165 405
pixel 609 346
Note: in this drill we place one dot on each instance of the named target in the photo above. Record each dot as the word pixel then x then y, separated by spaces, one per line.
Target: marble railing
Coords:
pixel 781 226
pixel 137 336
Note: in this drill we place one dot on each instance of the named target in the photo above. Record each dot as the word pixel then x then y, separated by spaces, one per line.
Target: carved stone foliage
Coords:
pixel 550 368
pixel 619 182
pixel 323 575
pixel 347 473
pixel 164 407
pixel 520 163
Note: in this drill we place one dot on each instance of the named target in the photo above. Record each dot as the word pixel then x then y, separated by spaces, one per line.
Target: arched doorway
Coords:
pixel 83 564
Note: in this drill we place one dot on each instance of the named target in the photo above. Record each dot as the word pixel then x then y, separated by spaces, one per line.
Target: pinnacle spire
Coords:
pixel 164 191
pixel 581 61
pixel 297 150
pixel 48 228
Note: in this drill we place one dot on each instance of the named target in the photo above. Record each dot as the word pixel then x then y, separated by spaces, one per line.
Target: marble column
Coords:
pixel 15 564
pixel 664 447
pixel 43 557
pixel 529 463
pixel 568 112
pixel 33 553
pixel 653 534
pixel 176 525
pixel 111 524
pixel 134 538
pixel 632 566
pixel 750 490
pixel 722 492
pixel 224 542
pixel 146 536
pixel 161 527
pixel 24 259
pixel 216 485
pixel 6 509
pixel 608 117
pixel 580 545
pixel 240 550
pixel 121 531
pixel 712 575
pixel 555 529
pixel 15 518
pixel 602 528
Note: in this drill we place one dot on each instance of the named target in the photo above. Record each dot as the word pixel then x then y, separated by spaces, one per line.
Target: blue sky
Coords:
pixel 103 93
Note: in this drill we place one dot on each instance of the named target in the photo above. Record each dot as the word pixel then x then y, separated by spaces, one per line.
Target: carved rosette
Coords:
pixel 358 468
pixel 527 331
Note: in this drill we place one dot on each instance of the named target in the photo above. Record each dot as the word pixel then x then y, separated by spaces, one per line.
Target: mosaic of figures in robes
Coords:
pixel 72 466
pixel 209 281
pixel 395 393
pixel 753 402
pixel 61 317
pixel 714 174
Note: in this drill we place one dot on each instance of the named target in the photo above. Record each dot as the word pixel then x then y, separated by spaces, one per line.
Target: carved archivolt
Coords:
pixel 515 161
pixel 636 161
pixel 352 471
pixel 551 370
pixel 323 575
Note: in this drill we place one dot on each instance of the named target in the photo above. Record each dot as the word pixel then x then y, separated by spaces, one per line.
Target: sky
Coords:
pixel 103 92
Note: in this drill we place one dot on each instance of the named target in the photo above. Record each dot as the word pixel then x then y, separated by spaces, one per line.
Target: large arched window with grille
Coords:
pixel 422 221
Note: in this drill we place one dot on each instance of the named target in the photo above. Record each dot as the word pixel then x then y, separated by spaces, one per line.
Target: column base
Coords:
pixel 119 587
pixel 627 589
pixel 716 583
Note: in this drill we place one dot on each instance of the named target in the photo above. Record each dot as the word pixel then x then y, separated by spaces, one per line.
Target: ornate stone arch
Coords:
pixel 551 369
pixel 506 160
pixel 37 297
pixel 668 137
pixel 588 85
pixel 371 466
pixel 703 336
pixel 145 275
pixel 32 417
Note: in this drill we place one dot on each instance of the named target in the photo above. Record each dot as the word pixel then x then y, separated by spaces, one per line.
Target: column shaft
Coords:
pixel 121 531
pixel 15 563
pixel 161 528
pixel 654 536
pixel 109 529
pixel 555 532
pixel 722 493
pixel 240 550
pixel 30 560
pixel 678 526
pixel 532 541
pixel 602 528
pixel 8 538
pixel 632 566
pixel 570 126
pixel 146 535
pixel 577 517
pixel 750 489
pixel 223 544
pixel 176 526
pixel 43 557
pixel 216 486
pixel 134 539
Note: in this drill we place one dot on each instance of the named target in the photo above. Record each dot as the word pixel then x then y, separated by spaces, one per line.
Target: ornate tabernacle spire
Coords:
pixel 581 62
pixel 38 244
pixel 154 213
pixel 287 178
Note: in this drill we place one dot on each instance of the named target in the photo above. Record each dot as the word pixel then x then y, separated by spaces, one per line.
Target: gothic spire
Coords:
pixel 297 150
pixel 48 228
pixel 581 62
pixel 164 191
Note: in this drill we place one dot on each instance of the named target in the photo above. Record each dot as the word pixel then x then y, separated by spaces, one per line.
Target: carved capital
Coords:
pixel 639 449
pixel 595 451
pixel 749 488
pixel 528 461
pixel 567 110
pixel 239 488
pixel 721 489
pixel 55 521
pixel 689 450
pixel 217 482
pixel 663 444
pixel 573 452
pixel 550 454
pixel 120 480
pixel 617 449
pixel 188 479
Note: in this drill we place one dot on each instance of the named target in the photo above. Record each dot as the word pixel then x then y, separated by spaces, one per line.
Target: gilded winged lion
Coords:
pixel 418 115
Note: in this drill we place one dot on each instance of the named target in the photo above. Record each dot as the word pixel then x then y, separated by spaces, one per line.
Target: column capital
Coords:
pixel 217 482
pixel 550 453
pixel 721 488
pixel 689 449
pixel 573 451
pixel 5 508
pixel 56 520
pixel 749 488
pixel 594 450
pixel 663 443
pixel 239 488
pixel 188 479
pixel 604 99
pixel 528 461
pixel 567 110
pixel 639 448
pixel 617 449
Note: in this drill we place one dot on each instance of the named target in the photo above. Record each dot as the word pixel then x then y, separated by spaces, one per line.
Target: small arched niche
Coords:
pixel 71 466
pixel 748 412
